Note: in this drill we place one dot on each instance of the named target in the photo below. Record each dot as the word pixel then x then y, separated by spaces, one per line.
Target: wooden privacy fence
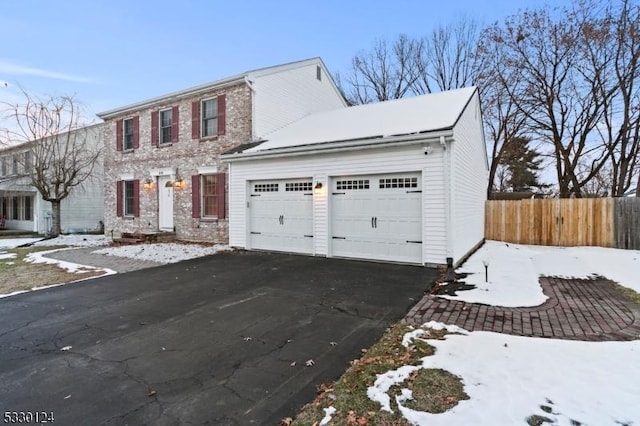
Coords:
pixel 605 222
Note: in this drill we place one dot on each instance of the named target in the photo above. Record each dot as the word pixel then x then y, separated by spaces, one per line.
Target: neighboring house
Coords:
pixel 23 207
pixel 162 156
pixel 402 180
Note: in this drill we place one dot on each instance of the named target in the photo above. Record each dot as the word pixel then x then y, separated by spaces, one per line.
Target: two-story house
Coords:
pixel 22 206
pixel 163 171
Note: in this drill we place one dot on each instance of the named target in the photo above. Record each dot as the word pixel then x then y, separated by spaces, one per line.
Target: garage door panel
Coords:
pixel 281 216
pixel 377 217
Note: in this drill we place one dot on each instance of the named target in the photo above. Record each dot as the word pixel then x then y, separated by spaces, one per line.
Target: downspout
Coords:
pixel 450 274
pixel 253 107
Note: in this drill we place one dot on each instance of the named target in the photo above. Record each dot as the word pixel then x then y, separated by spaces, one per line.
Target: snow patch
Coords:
pixel 328 412
pixel 162 252
pixel 510 378
pixel 515 269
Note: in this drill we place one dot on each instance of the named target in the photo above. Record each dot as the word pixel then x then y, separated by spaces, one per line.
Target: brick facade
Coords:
pixel 186 156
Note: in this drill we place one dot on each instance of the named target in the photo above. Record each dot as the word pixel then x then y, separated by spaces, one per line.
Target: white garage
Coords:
pixel 397 181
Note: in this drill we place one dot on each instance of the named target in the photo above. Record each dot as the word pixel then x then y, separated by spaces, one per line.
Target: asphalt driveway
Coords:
pixel 219 340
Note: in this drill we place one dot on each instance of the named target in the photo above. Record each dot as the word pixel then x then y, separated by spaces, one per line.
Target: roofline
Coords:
pixel 27 143
pixel 216 84
pixel 350 145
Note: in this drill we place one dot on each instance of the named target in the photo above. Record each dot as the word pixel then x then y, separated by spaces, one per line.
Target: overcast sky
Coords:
pixel 113 53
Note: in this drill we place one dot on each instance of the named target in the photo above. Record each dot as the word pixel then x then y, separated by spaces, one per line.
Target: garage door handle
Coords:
pixel 413 192
pixel 308 236
pixel 255 195
pixel 338 193
pixel 414 242
pixel 339 238
pixel 372 225
pixel 375 222
pixel 255 233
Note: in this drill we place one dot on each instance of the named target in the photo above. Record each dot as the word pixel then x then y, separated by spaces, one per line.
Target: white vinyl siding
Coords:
pixel 468 180
pixel 326 166
pixel 287 95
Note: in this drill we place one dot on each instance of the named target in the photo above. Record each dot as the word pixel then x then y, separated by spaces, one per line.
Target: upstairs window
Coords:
pixel 14 169
pixel 209 117
pixel 166 125
pixel 127 133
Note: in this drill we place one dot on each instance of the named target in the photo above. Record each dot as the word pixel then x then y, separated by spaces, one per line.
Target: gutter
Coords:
pixel 181 94
pixel 352 145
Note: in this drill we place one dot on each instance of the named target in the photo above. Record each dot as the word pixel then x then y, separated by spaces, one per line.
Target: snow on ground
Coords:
pixel 508 378
pixel 76 240
pixel 162 252
pixel 9 243
pixel 514 270
pixel 74 268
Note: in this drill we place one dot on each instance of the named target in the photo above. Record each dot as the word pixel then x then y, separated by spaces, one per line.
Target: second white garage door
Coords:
pixel 281 215
pixel 377 217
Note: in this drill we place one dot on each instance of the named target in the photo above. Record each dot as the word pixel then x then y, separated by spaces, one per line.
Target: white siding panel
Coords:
pixel 469 180
pixel 321 215
pixel 286 96
pixel 434 219
pixel 373 161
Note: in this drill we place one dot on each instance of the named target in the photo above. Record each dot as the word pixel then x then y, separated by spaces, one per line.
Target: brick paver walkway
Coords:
pixel 84 256
pixel 577 309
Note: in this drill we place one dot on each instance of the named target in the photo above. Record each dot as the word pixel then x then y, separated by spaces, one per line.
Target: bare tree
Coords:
pixel 614 39
pixel 60 157
pixel 448 57
pixel 384 73
pixel 574 75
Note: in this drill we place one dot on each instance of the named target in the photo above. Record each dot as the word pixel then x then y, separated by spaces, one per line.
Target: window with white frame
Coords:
pixel 14 169
pixel 209 125
pixel 209 196
pixel 3 166
pixel 27 162
pixel 166 123
pixel 127 133
pixel 128 197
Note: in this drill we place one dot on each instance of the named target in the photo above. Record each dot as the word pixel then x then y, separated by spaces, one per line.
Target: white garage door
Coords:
pixel 281 215
pixel 377 217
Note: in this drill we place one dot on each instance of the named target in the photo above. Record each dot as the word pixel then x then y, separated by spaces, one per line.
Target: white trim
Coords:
pixel 339 146
pixel 162 171
pixel 126 176
pixel 207 170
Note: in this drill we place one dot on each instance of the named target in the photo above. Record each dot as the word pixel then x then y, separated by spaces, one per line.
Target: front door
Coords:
pixel 165 203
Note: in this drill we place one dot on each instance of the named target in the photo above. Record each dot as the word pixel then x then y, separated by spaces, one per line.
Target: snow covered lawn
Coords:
pixel 514 270
pixel 512 379
pixel 16 274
